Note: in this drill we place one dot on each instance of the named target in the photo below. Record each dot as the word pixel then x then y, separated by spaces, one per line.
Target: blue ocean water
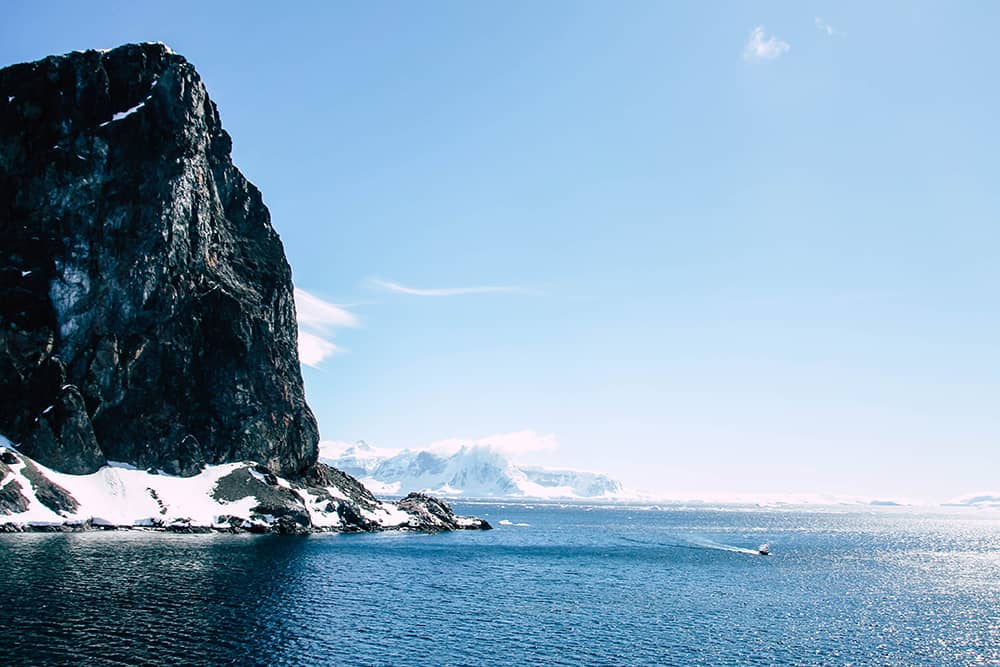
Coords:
pixel 576 585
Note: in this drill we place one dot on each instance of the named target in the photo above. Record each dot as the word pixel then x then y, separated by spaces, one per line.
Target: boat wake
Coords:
pixel 697 543
pixel 709 544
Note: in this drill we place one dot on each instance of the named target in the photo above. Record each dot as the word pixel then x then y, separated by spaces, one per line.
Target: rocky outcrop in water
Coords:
pixel 436 514
pixel 146 310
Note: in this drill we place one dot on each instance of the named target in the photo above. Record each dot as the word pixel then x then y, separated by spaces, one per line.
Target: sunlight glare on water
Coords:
pixel 576 585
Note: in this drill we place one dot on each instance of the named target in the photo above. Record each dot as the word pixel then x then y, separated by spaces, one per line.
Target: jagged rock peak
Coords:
pixel 146 309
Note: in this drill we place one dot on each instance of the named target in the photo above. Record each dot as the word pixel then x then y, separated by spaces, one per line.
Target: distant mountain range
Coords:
pixel 483 471
pixel 474 471
pixel 983 500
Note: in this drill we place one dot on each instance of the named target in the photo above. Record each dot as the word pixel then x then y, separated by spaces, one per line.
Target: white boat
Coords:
pixel 764 550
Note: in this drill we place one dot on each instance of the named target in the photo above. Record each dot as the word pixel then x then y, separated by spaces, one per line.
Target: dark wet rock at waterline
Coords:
pixel 146 309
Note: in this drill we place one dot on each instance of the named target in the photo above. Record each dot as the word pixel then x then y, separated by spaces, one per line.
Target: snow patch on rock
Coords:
pixel 128 112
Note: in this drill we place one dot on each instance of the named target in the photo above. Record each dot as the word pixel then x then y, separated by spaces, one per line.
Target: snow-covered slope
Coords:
pixel 476 471
pixel 231 497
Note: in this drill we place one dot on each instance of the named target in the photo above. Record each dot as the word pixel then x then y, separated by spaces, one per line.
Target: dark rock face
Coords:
pixel 63 434
pixel 11 498
pixel 146 309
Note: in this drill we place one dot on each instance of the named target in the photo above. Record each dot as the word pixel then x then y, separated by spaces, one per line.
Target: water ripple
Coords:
pixel 582 586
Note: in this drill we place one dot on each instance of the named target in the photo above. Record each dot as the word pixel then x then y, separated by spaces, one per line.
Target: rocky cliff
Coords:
pixel 146 310
pixel 148 361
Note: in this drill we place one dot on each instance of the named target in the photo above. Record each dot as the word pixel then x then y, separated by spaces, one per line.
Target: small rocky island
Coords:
pixel 148 353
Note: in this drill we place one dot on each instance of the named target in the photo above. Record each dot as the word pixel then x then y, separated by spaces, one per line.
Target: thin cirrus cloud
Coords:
pixel 391 286
pixel 760 47
pixel 317 320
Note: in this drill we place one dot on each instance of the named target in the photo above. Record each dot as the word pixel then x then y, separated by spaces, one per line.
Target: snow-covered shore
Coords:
pixel 228 497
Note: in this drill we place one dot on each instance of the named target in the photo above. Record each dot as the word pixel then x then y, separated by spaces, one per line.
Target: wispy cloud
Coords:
pixel 390 286
pixel 514 445
pixel 314 349
pixel 825 27
pixel 312 311
pixel 760 47
pixel 317 320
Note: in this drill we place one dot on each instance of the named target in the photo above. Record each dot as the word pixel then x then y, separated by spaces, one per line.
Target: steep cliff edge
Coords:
pixel 146 310
pixel 148 356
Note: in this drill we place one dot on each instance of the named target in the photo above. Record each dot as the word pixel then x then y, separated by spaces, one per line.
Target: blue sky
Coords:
pixel 730 260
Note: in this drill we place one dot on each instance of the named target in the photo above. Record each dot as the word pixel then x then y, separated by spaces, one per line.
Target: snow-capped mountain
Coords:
pixel 473 471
